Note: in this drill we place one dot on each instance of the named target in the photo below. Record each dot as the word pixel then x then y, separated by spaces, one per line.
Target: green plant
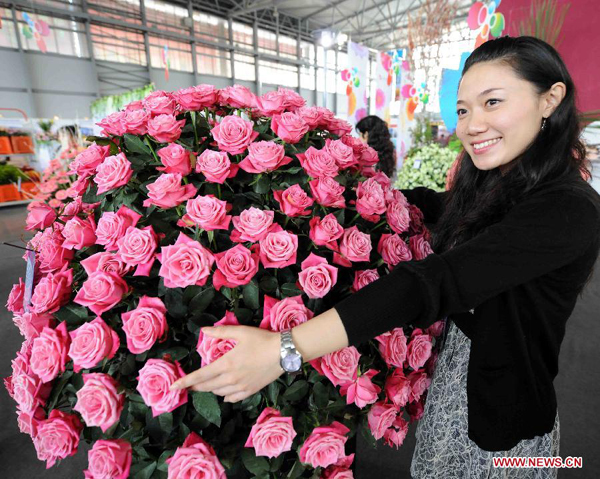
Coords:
pixel 11 174
pixel 421 133
pixel 545 21
pixel 455 144
pixel 426 166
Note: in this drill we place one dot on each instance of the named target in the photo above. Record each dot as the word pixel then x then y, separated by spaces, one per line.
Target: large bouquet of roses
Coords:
pixel 209 207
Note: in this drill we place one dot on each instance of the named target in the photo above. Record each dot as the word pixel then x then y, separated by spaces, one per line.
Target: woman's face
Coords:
pixel 499 114
pixel 364 137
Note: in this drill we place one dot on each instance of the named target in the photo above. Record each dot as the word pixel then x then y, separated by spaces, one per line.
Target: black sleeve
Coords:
pixel 538 236
pixel 430 202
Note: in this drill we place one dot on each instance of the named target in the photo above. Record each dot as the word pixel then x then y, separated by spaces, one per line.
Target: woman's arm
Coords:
pixel 431 203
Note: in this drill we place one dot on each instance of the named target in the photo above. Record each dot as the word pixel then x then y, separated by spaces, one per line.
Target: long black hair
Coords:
pixel 379 140
pixel 478 199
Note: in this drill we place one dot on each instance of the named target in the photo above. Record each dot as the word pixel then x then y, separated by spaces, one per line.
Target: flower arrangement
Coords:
pixel 426 166
pixel 207 207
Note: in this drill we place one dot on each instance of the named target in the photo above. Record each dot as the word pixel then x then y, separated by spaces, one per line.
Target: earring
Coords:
pixel 544 123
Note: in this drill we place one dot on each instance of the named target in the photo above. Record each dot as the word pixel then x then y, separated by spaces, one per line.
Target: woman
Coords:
pixel 376 133
pixel 516 239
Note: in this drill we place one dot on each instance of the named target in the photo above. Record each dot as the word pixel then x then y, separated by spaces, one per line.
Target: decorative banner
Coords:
pixel 166 61
pixel 356 76
pixel 36 29
pixel 407 108
pixel 384 85
pixel 449 92
pixel 483 17
pixel 413 94
pixel 106 105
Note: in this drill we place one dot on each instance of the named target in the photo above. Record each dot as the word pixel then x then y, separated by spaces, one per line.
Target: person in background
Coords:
pixel 376 133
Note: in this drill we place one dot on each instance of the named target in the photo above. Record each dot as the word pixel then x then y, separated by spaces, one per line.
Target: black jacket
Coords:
pixel 522 277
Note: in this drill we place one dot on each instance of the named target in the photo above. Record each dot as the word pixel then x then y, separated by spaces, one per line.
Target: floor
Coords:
pixel 578 387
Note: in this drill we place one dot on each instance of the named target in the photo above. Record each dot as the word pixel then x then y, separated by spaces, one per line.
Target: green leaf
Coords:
pixel 321 395
pixel 244 315
pixel 269 284
pixel 74 315
pixel 166 422
pixel 290 289
pixel 263 185
pixel 162 465
pixel 296 391
pixel 177 353
pixel 91 195
pixel 206 404
pixel 134 144
pixel 273 392
pixel 296 471
pixel 252 402
pixel 277 463
pixel 256 465
pixel 58 388
pixel 174 303
pixel 146 472
pixel 251 295
pixel 201 301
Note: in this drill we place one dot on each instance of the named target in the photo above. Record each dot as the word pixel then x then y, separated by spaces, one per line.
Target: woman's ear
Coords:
pixel 552 98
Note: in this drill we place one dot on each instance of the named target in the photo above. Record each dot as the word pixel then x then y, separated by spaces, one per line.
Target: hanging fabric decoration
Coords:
pixel 407 109
pixel 166 61
pixel 356 77
pixel 37 29
pixel 483 17
pixel 384 85
pixel 449 92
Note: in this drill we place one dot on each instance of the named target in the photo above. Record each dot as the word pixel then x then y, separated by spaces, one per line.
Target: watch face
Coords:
pixel 292 363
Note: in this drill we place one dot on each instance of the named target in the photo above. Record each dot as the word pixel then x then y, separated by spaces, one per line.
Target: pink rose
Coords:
pixel 57 437
pixel 285 314
pixel 398 216
pixel 361 391
pixel 271 103
pixel 264 156
pixel 137 247
pixel 112 226
pixel 51 254
pixel 15 298
pixel 134 105
pixel 154 381
pixel 210 349
pixel 337 472
pixel 394 436
pixel 393 249
pixel 340 367
pixel 436 329
pixel 31 325
pixel 417 221
pixel 419 383
pixel 326 115
pixel 185 263
pixel 235 267
pixel 420 247
pixel 215 166
pixel 397 388
pixel 79 187
pixel 416 409
pixel 208 212
pixel 272 434
pixel 339 127
pixel 159 103
pixel 195 459
pixel 176 159
pixel 86 162
pixel 292 100
pixel 341 153
pixel 237 96
pixel 49 353
pixel 317 276
pixel 40 216
pixel 29 391
pixel 364 277
pixel 234 134
pixel 113 124
pixel 79 233
pixel 145 324
pixel 318 163
pixel 355 245
pixel 380 418
pixel 165 128
pixel 370 200
pixel 98 401
pixel 91 343
pixel 197 97
pixel 368 157
pixel 278 249
pixel 52 292
pixel 392 346
pixel 325 445
pixel 419 350
pixel 253 224
pixel 293 201
pixel 312 116
pixel 328 192
pixel 113 172
pixel 101 292
pixel 135 122
pixel 326 231
pixel 109 459
pixel 167 191
pixel 29 422
pixel 289 126
pixel 72 209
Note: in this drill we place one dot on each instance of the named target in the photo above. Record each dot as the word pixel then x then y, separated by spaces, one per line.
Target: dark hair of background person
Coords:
pixel 380 140
pixel 68 129
pixel 478 199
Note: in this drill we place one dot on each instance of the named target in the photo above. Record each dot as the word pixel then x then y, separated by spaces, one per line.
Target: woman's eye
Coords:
pixel 493 101
pixel 461 111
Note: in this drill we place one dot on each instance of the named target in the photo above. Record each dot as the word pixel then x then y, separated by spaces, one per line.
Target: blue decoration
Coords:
pixel 449 93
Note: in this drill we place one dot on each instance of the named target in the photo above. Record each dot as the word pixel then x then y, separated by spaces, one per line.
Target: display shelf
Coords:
pixel 15 203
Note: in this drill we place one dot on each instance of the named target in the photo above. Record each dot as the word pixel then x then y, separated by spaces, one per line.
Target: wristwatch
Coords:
pixel 291 359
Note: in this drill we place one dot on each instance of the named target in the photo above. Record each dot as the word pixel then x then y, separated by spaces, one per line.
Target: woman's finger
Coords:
pixel 199 376
pixel 226 391
pixel 220 381
pixel 237 397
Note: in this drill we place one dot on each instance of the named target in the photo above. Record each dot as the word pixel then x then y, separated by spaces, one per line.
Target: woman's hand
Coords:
pixel 250 366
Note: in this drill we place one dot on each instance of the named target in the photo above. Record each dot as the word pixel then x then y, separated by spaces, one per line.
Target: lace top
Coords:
pixel 443 449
